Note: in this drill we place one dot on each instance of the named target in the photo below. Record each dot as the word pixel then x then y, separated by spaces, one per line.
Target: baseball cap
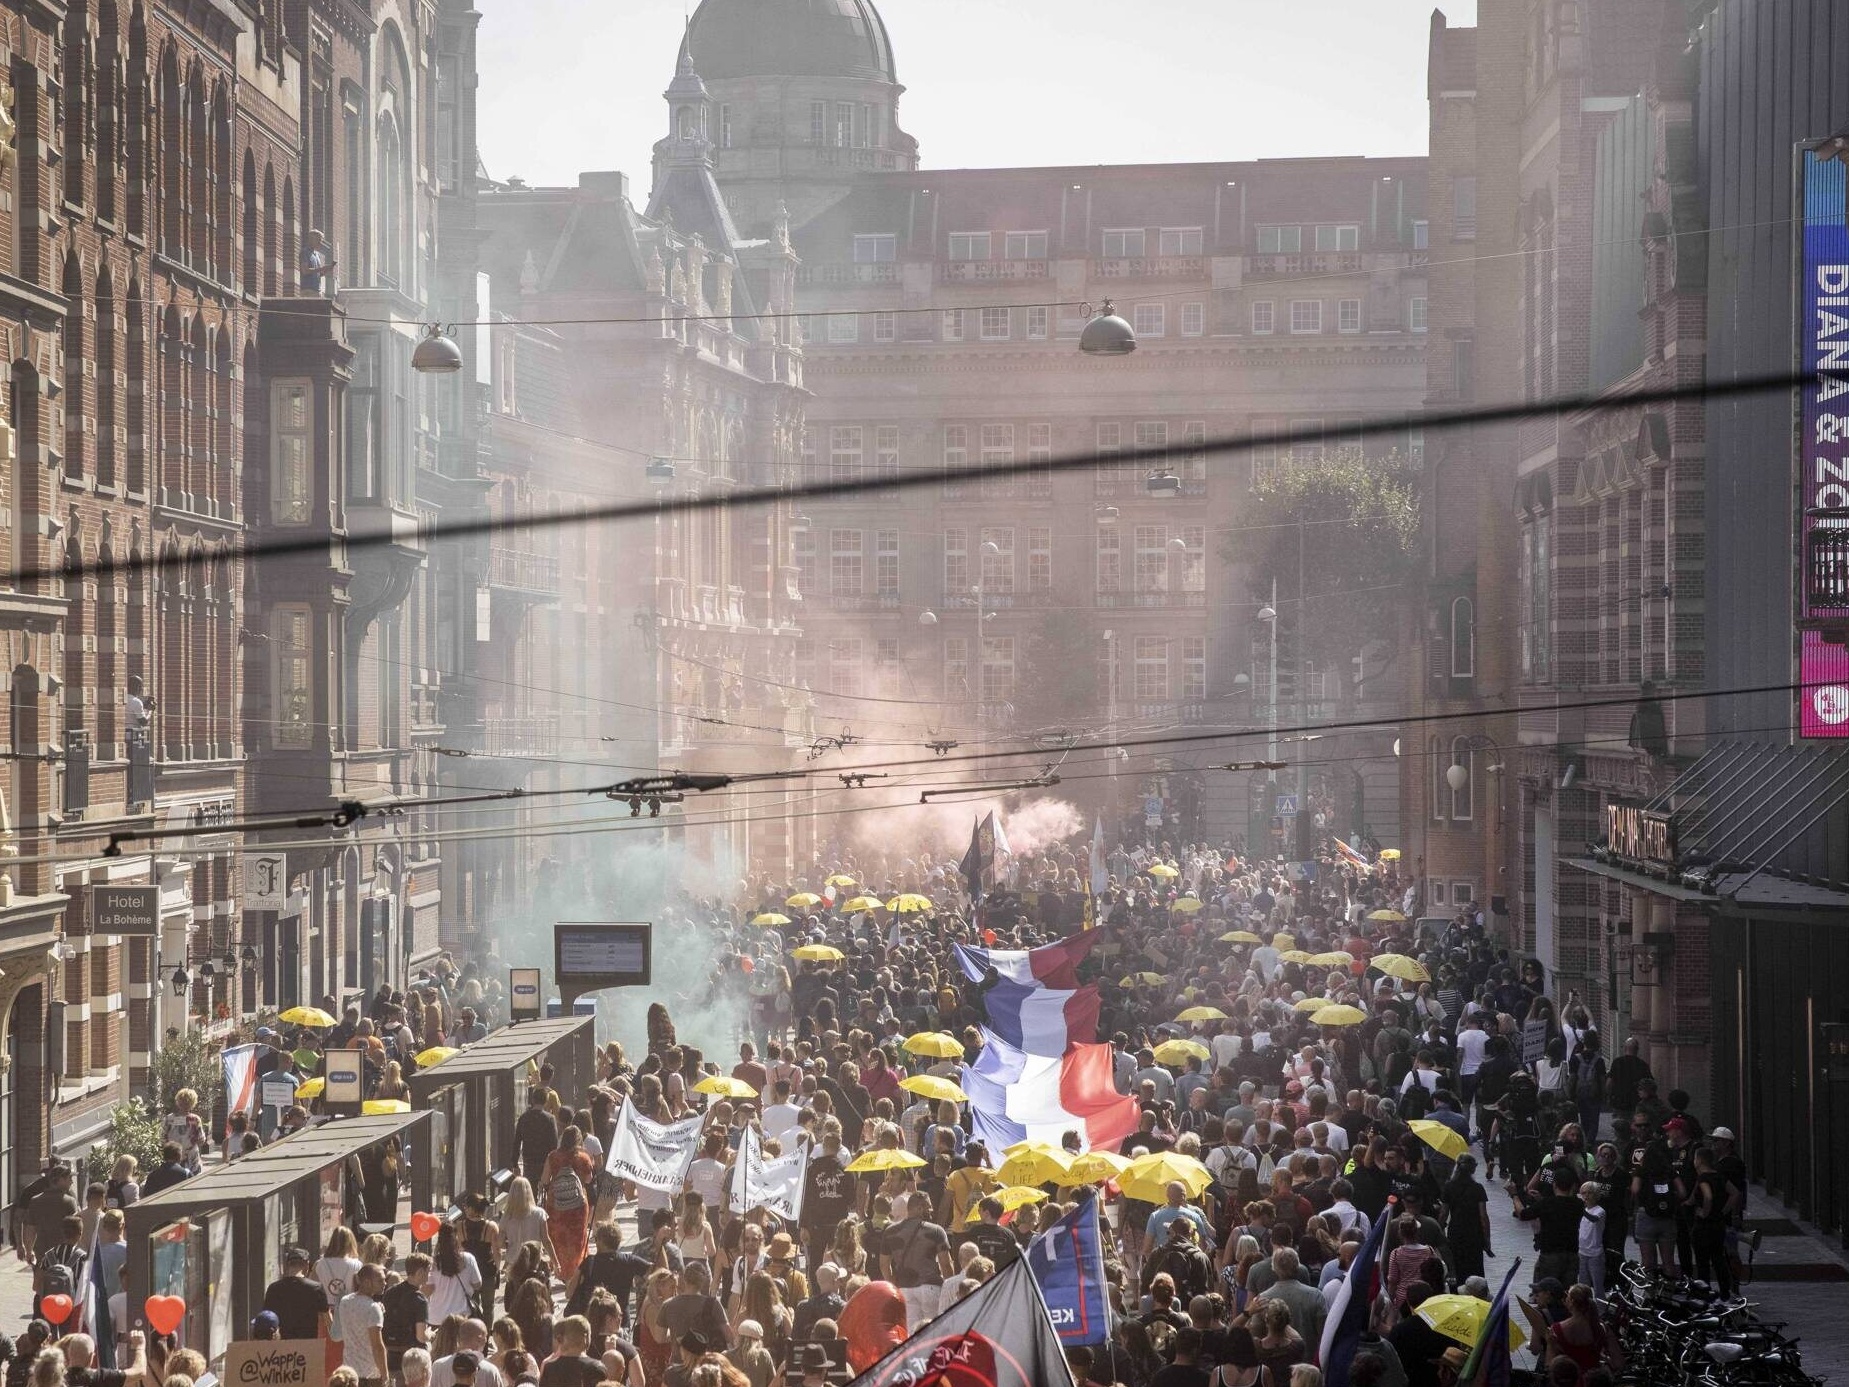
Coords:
pixel 264 1322
pixel 693 1341
pixel 1675 1124
pixel 1722 1134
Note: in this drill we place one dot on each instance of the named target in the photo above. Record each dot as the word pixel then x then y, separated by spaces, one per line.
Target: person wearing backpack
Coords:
pixel 61 1266
pixel 1654 1196
pixel 565 1190
pixel 1586 1082
pixel 1392 1050
pixel 1182 1258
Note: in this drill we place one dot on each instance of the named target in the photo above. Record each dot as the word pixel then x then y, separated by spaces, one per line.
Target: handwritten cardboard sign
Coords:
pixel 275 1363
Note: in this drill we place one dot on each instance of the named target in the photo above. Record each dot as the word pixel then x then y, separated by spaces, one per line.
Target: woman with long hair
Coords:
pixel 694 1235
pixel 529 1298
pixel 567 1180
pixel 505 1340
pixel 522 1222
pixel 845 1250
pixel 391 1083
pixel 763 1302
pixel 654 1337
pixel 455 1279
pixel 481 1239
pixel 1467 1226
pixel 1140 1360
pixel 1280 1347
pixel 1406 1261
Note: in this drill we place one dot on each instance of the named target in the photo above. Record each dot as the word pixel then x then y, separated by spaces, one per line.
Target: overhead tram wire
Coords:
pixel 316 541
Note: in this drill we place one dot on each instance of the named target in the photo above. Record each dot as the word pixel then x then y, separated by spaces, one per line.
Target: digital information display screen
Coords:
pixel 592 956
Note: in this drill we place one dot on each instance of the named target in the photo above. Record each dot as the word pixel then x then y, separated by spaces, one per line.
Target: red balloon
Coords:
pixel 57 1308
pixel 988 937
pixel 424 1226
pixel 165 1312
pixel 747 965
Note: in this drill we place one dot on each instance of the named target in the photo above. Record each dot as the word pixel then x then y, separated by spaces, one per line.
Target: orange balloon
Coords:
pixel 165 1312
pixel 988 937
pixel 873 1323
pixel 747 965
pixel 56 1308
pixel 424 1226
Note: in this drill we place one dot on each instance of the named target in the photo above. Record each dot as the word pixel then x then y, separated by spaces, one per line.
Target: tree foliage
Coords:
pixel 1059 684
pixel 1356 519
pixel 186 1060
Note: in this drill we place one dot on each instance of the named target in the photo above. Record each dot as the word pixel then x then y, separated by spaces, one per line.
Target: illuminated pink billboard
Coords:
pixel 1823 326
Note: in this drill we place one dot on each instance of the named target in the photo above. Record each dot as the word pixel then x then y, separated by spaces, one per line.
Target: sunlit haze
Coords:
pixel 990 86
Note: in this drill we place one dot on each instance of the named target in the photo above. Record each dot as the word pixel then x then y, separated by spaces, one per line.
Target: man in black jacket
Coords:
pixel 536 1136
pixel 1556 1217
pixel 823 1304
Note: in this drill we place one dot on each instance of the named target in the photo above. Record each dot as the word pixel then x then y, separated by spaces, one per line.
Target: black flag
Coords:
pixel 1000 1336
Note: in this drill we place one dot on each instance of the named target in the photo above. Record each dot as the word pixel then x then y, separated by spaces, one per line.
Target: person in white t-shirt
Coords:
pixel 706 1177
pixel 361 1321
pixel 1226 1046
pixel 780 1114
pixel 1472 1040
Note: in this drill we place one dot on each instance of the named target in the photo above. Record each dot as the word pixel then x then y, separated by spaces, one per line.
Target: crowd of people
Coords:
pixel 1456 1067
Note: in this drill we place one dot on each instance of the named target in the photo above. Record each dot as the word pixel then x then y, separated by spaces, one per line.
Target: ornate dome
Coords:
pixel 789 38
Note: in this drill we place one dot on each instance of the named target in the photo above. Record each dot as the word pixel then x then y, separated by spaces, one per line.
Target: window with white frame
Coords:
pixel 1464 209
pixel 1463 638
pixel 1415 313
pixel 843 327
pixel 1338 238
pixel 995 324
pixel 1463 798
pixel 846 563
pixel 1280 240
pixel 1037 324
pixel 876 248
pixel 887 671
pixel 802 545
pixel 808 452
pixel 844 452
pixel 1180 240
pixel 1151 572
pixel 1421 235
pixel 1039 442
pixel 1415 443
pixel 292 478
pixel 1306 315
pixel 997 444
pixel 818 122
pixel 1194 465
pixel 1348 315
pixel 1438 764
pixel 998 568
pixel 1264 318
pixel 1193 319
pixel 725 125
pixel 1040 559
pixel 886 563
pixel 969 245
pixel 1025 245
pixel 1110 559
pixel 844 667
pixel 1151 433
pixel 844 124
pixel 956 445
pixel 1125 243
pixel 293 647
pixel 953 325
pixel 997 669
pixel 956 562
pixel 885 327
pixel 1110 438
pixel 956 667
pixel 1149 319
pixel 1193 669
pixel 1307 444
pixel 1194 558
pixel 1150 656
pixel 886 452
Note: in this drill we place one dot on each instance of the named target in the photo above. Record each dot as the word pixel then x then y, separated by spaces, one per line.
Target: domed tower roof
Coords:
pixel 789 38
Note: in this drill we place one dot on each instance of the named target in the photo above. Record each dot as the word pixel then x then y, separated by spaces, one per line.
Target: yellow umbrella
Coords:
pixel 936 1044
pixel 1011 1196
pixel 1401 967
pixel 840 879
pixel 770 917
pixel 379 1107
pixel 804 900
pixel 1147 1177
pixel 1179 1052
pixel 884 1160
pixel 1310 1005
pixel 1201 1014
pixel 860 903
pixel 1461 1317
pixel 1389 854
pixel 1163 870
pixel 1147 979
pixel 930 1086
pixel 1335 958
pixel 909 904
pixel 820 953
pixel 1439 1137
pixel 1095 1167
pixel 1339 1015
pixel 1391 917
pixel 1240 936
pixel 1035 1165
pixel 312 1017
pixel 725 1086
pixel 1187 905
pixel 311 1088
pixel 1282 940
pixel 1293 956
pixel 435 1055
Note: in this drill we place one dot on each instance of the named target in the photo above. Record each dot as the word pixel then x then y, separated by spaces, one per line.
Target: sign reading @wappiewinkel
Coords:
pixel 275 1363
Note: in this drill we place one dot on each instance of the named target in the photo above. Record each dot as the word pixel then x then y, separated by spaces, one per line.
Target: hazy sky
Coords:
pixel 569 85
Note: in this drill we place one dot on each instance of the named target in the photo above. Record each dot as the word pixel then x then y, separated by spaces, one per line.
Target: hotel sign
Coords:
pixel 1636 834
pixel 1823 447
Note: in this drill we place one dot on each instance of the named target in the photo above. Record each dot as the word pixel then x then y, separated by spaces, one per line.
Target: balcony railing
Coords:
pixel 1150 267
pixel 140 766
pixel 1119 597
pixel 988 271
pixel 519 569
pixel 1168 713
pixel 531 735
pixel 879 272
pixel 1308 263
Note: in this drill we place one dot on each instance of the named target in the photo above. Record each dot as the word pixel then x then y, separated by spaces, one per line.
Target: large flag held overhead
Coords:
pixel 1050 965
pixel 241 1079
pixel 1068 1262
pixel 769 1182
pixel 1488 1364
pixel 999 1336
pixel 1015 1096
pixel 1347 1319
pixel 1043 1020
pixel 1100 873
pixel 654 1155
pixel 989 857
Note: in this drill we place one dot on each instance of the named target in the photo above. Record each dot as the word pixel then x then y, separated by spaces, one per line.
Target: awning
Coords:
pixel 1742 890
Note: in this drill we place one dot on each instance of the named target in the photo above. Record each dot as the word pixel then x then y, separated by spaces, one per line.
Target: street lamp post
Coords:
pixel 989 547
pixel 1269 615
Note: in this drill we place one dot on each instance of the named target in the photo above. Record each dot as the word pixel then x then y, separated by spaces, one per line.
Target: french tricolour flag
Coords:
pixel 1042 1020
pixel 1051 965
pixel 1015 1096
pixel 1347 1320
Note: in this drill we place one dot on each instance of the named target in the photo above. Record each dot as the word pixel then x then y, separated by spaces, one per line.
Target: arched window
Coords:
pixel 108 657
pixel 1435 764
pixel 76 114
pixel 108 382
pixel 108 103
pixel 269 215
pixel 171 162
pixel 291 256
pixel 136 395
pixel 135 121
pixel 391 203
pixel 248 280
pixel 76 627
pixel 198 172
pixel 202 457
pixel 396 136
pixel 1463 638
pixel 171 418
pixel 1463 792
pixel 224 443
pixel 75 357
pixel 221 184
